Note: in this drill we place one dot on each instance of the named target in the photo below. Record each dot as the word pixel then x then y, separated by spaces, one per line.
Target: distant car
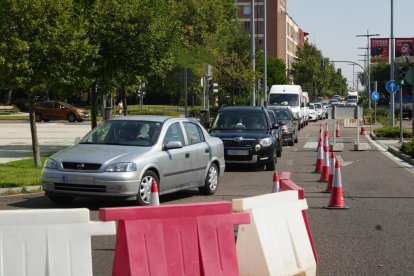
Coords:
pixel 279 134
pixel 247 134
pixel 288 124
pixel 313 114
pixel 120 158
pixel 320 111
pixel 55 110
pixel 352 102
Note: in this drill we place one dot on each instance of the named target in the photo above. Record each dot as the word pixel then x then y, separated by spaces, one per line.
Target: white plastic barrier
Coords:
pixel 276 241
pixel 48 242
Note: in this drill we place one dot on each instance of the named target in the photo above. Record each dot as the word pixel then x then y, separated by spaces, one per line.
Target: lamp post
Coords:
pixel 368 35
pixel 252 50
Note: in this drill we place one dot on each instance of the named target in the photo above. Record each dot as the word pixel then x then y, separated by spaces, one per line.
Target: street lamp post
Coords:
pixel 368 35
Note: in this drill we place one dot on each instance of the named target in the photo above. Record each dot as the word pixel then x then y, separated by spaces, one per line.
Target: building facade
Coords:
pixel 283 34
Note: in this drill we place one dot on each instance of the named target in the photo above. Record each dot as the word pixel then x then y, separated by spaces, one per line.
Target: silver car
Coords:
pixel 121 157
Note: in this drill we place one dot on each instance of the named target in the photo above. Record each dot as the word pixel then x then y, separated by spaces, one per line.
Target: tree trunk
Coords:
pixel 33 130
pixel 8 98
pixel 123 99
pixel 94 104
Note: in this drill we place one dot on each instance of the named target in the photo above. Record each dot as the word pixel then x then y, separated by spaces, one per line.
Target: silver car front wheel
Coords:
pixel 144 189
pixel 211 181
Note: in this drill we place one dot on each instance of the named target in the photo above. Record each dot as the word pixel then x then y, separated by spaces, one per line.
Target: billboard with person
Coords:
pixel 379 50
pixel 404 53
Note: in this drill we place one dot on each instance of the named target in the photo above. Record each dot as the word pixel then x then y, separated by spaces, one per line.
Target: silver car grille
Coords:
pixel 81 166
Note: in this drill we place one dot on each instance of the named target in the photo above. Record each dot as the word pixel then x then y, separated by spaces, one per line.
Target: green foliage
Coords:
pixel 391 132
pixel 408 147
pixel 20 173
pixel 316 79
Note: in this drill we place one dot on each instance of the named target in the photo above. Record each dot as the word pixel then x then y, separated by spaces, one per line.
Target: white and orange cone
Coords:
pixel 276 184
pixel 337 131
pixel 325 166
pixel 331 173
pixel 337 198
pixel 154 199
pixel 319 159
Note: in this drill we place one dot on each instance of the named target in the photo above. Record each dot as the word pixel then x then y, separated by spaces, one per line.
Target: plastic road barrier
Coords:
pixel 48 242
pixel 182 239
pixel 276 242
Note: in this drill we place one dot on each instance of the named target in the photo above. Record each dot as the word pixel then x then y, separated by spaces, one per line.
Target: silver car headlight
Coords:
pixel 51 164
pixel 122 167
pixel 265 142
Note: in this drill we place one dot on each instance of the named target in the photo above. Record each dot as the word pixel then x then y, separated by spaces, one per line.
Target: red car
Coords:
pixel 55 110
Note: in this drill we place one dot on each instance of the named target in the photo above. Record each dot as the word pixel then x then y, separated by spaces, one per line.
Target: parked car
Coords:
pixel 289 125
pixel 55 110
pixel 313 114
pixel 120 158
pixel 247 134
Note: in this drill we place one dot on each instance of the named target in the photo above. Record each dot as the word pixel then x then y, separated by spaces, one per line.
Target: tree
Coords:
pixel 319 79
pixel 43 45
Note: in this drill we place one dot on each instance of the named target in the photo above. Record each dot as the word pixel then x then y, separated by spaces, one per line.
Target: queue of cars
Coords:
pixel 122 156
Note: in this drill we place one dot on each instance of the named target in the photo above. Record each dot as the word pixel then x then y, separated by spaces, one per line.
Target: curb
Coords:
pixel 401 155
pixel 20 190
pixel 394 151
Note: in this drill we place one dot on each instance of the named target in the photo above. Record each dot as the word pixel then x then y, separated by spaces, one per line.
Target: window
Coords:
pixel 194 133
pixel 246 9
pixel 174 133
pixel 246 25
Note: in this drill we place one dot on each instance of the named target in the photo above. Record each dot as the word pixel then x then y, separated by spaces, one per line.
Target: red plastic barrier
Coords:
pixel 183 239
pixel 287 184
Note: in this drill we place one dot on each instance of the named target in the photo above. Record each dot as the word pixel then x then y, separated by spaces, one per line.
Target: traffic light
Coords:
pixel 402 75
pixel 339 71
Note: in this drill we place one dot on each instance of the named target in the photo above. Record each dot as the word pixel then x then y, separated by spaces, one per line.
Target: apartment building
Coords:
pixel 283 34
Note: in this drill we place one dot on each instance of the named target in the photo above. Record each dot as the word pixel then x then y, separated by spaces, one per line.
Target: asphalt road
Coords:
pixel 373 237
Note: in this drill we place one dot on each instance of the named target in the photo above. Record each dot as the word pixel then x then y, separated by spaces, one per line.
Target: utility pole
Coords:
pixel 368 35
pixel 392 107
pixel 252 50
pixel 265 52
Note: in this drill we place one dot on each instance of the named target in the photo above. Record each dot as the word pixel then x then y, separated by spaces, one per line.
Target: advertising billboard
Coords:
pixel 379 50
pixel 404 53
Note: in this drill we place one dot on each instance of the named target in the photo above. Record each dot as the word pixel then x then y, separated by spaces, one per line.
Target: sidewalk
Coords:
pixel 392 146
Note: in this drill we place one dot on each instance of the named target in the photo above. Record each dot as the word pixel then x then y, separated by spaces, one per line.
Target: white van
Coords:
pixel 305 97
pixel 288 95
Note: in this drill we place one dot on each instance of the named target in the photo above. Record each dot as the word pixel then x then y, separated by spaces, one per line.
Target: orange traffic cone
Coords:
pixel 319 159
pixel 276 185
pixel 337 198
pixel 331 173
pixel 362 132
pixel 325 167
pixel 154 199
pixel 337 131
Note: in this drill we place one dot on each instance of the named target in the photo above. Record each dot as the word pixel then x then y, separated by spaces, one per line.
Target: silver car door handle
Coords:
pixel 187 155
pixel 207 150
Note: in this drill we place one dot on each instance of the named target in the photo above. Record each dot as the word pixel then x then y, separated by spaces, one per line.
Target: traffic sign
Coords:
pixel 392 86
pixel 375 96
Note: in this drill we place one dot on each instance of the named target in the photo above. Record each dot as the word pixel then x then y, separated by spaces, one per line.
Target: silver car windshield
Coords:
pixel 128 133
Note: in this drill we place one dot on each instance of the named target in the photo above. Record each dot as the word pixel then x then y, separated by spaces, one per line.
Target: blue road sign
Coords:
pixel 392 86
pixel 375 96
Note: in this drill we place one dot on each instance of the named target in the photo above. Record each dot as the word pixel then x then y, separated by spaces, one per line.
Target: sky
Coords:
pixel 334 24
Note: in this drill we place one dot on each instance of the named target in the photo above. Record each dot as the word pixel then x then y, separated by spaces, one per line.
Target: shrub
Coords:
pixel 407 147
pixel 391 132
